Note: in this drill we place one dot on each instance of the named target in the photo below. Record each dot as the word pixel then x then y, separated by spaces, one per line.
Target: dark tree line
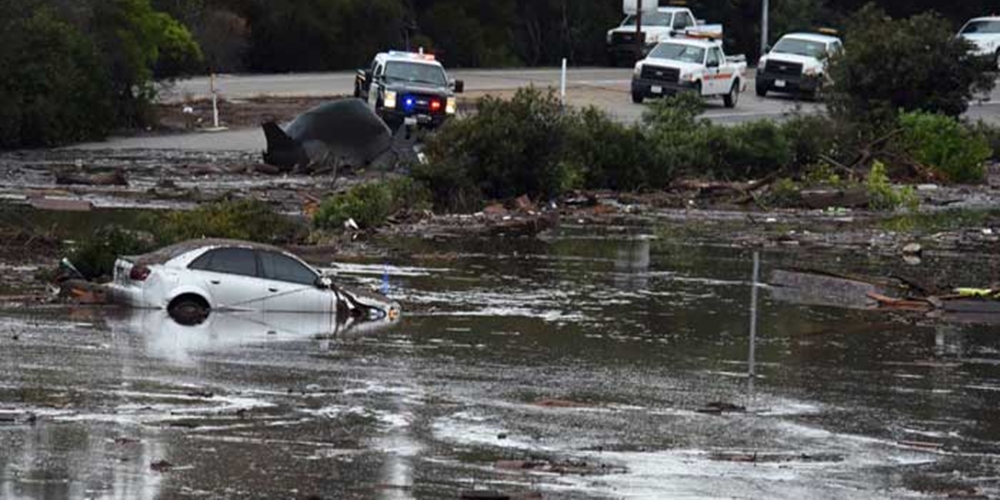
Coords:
pixel 299 35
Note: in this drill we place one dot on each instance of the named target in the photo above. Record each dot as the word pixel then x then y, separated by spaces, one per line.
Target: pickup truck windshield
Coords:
pixel 651 19
pixel 679 52
pixel 429 74
pixel 982 28
pixel 800 47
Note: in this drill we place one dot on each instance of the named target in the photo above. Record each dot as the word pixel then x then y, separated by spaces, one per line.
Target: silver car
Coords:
pixel 191 279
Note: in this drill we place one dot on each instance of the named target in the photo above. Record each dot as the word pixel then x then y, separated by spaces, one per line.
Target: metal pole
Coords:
pixel 562 83
pixel 752 361
pixel 764 27
pixel 638 31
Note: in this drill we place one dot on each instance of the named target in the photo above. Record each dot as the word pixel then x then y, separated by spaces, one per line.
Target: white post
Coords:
pixel 215 103
pixel 752 361
pixel 562 83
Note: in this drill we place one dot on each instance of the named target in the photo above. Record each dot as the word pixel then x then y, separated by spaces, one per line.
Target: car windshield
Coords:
pixel 800 47
pixel 679 52
pixel 982 28
pixel 651 19
pixel 415 73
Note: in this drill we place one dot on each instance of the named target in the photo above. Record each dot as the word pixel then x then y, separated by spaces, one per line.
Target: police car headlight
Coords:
pixel 390 99
pixel 451 106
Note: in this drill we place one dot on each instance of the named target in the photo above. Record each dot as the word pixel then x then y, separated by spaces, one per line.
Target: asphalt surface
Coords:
pixel 605 88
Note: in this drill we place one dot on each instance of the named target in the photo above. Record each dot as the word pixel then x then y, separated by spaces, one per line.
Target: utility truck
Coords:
pixel 658 24
pixel 690 65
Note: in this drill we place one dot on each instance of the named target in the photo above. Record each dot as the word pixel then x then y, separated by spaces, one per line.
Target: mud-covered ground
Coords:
pixel 583 364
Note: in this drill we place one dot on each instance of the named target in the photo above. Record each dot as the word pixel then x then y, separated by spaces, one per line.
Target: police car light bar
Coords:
pixel 412 55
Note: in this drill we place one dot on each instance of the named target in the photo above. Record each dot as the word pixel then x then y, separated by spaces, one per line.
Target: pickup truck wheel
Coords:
pixel 733 97
pixel 761 90
pixel 637 97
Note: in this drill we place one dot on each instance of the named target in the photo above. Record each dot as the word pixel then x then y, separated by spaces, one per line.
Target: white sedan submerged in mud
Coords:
pixel 193 278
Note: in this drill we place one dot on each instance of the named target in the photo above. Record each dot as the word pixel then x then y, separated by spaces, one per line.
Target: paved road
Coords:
pixel 606 88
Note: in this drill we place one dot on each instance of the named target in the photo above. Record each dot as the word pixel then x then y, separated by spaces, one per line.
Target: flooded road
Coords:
pixel 574 367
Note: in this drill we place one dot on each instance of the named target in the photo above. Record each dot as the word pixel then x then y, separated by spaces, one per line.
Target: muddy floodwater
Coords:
pixel 573 366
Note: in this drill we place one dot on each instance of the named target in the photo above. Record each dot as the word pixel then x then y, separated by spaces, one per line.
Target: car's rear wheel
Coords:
pixel 189 310
pixel 733 97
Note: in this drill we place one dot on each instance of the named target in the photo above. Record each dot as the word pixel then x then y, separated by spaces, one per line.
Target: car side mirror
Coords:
pixel 324 283
pixel 458 86
pixel 712 64
pixel 368 76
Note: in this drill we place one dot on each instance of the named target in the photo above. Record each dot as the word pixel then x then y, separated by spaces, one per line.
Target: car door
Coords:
pixel 373 85
pixel 713 66
pixel 231 277
pixel 291 286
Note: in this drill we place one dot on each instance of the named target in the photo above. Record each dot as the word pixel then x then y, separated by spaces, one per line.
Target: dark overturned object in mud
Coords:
pixel 344 132
pixel 116 178
pixel 718 408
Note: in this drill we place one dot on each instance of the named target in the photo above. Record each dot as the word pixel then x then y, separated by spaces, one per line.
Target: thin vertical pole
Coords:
pixel 638 31
pixel 752 361
pixel 562 83
pixel 215 103
pixel 764 27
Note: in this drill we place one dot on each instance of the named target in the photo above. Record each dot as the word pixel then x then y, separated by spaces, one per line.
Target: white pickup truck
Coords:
pixel 659 26
pixel 690 65
pixel 797 64
pixel 984 34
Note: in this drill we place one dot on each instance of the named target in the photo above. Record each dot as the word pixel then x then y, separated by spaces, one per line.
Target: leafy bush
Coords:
pixel 371 204
pixel 604 154
pixel 249 220
pixel 811 137
pixel 883 195
pixel 992 135
pixel 95 257
pixel 508 148
pixel 946 145
pixel 910 64
pixel 53 88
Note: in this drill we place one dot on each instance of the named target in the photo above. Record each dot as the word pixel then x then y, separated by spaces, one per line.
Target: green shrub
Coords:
pixel 952 149
pixel 909 64
pixel 249 220
pixel 992 135
pixel 53 88
pixel 95 257
pixel 371 204
pixel 604 154
pixel 883 195
pixel 508 148
pixel 810 138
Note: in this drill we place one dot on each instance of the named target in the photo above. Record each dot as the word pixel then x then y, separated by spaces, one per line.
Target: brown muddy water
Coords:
pixel 569 367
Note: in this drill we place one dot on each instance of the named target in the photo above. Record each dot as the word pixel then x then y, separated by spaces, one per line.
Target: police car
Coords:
pixel 408 88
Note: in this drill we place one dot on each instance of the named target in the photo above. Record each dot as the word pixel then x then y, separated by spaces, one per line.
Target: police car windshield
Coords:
pixel 800 47
pixel 415 73
pixel 651 19
pixel 679 52
pixel 982 28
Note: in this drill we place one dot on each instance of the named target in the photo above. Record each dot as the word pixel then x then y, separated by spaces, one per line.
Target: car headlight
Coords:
pixel 690 77
pixel 815 71
pixel 610 37
pixel 451 106
pixel 762 63
pixel 638 70
pixel 390 99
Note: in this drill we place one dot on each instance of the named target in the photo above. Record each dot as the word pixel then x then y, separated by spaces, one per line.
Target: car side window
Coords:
pixel 379 68
pixel 713 57
pixel 236 261
pixel 682 21
pixel 278 267
pixel 835 48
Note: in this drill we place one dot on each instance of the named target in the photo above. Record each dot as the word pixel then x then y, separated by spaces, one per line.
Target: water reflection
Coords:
pixel 166 339
pixel 632 265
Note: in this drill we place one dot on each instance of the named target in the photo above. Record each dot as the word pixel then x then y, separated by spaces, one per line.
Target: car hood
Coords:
pixel 685 67
pixel 984 42
pixel 645 29
pixel 805 61
pixel 419 88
